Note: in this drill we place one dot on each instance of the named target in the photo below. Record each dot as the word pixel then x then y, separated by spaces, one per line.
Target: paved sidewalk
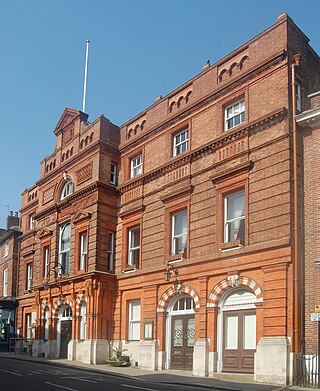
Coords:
pixel 229 382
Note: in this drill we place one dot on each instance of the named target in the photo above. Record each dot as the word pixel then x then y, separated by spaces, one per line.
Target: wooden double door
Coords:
pixel 239 341
pixel 182 342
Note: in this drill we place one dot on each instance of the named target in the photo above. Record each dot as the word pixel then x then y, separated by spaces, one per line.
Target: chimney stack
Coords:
pixel 13 220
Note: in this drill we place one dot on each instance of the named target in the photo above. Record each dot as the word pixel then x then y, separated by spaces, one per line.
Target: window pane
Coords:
pixel 135 238
pixel 235 206
pixel 135 311
pixel 231 332
pixel 65 237
pixel 236 230
pixel 235 114
pixel 249 331
pixel 134 320
pixel 190 332
pixel 177 332
pixel 180 142
pixel 135 326
pixel 180 244
pixel 180 223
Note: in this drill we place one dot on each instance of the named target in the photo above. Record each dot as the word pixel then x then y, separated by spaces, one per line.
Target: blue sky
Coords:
pixel 139 49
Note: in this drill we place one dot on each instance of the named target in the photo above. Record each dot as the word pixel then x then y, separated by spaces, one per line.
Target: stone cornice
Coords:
pixel 224 139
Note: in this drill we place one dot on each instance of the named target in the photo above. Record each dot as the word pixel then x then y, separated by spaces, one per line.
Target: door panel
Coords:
pixel 182 342
pixel 66 330
pixel 239 341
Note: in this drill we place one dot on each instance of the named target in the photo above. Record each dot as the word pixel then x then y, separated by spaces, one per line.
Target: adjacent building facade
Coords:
pixel 309 129
pixel 178 236
pixel 8 278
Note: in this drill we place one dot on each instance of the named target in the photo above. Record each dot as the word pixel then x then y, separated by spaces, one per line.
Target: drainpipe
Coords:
pixel 296 266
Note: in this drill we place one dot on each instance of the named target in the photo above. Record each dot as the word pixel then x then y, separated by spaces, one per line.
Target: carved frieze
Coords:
pixel 131 195
pixel 67 134
pixel 91 199
pixel 48 195
pixel 232 149
pixel 178 174
pixel 47 220
pixel 84 174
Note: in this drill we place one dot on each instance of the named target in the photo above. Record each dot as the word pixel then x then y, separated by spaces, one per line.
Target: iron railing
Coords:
pixel 307 371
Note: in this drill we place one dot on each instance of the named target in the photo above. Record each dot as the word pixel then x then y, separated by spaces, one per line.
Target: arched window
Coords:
pixel 67 190
pixel 64 249
pixel 184 304
pixel 66 313
pixel 83 321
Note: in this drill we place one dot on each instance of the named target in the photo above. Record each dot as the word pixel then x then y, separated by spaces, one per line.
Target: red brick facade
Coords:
pixel 205 195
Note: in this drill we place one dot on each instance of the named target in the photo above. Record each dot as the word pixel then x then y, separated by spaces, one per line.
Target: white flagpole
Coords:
pixel 85 78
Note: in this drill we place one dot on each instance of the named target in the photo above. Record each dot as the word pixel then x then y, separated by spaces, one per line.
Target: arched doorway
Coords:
pixel 64 330
pixel 237 330
pixel 180 333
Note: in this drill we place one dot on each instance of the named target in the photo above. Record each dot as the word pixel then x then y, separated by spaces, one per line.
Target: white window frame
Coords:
pixel 134 321
pixel 83 321
pixel 5 281
pixel 176 236
pixel 66 190
pixel 111 239
pixel 6 248
pixel 234 112
pixel 178 145
pixel 28 325
pixel 131 248
pixel 227 221
pixel 113 174
pixel 136 166
pixel 83 251
pixel 31 222
pixel 64 254
pixel 46 324
pixel 298 97
pixel 29 276
pixel 46 259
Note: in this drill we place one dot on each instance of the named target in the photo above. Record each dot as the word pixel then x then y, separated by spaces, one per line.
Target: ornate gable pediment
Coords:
pixel 80 216
pixel 66 119
pixel 66 124
pixel 44 232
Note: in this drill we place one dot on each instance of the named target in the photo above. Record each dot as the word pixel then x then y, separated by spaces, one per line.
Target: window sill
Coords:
pixel 176 258
pixel 231 245
pixel 130 269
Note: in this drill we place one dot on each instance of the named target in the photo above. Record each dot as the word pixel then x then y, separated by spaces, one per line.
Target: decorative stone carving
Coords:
pixel 234 280
pixel 67 134
pixel 84 174
pixel 48 195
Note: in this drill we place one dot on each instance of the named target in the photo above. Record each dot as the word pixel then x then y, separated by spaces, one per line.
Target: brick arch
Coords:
pixel 79 300
pixel 58 304
pixel 169 293
pixel 44 305
pixel 222 286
